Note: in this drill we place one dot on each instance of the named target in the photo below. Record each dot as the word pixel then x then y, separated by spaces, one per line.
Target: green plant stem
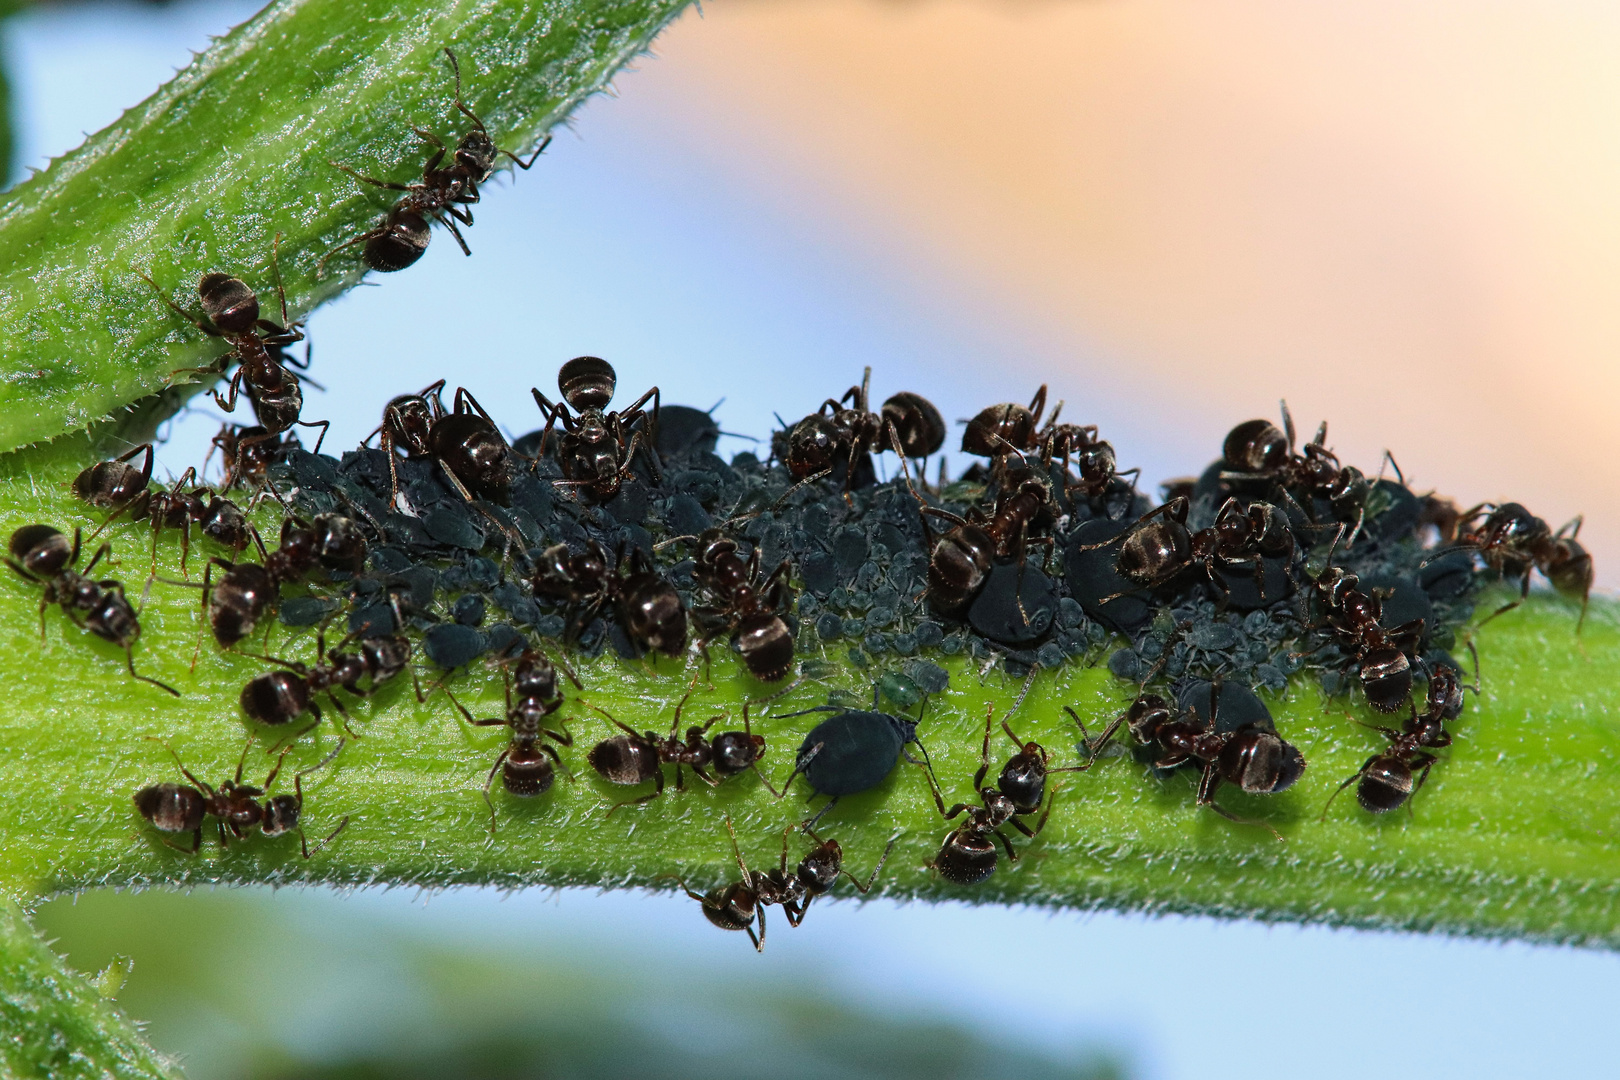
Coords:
pixel 202 175
pixel 56 1024
pixel 1511 836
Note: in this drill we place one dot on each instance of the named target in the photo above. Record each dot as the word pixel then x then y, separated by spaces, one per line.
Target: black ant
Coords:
pixel 230 310
pixel 249 451
pixel 1001 429
pixel 1154 552
pixel 1254 758
pixel 960 560
pixel 221 520
pixel 650 610
pixel 42 555
pixel 1386 779
pixel 1256 450
pixel 280 697
pixel 1512 541
pixel 524 770
pixel 752 610
pixel 176 808
pixel 401 237
pixel 846 430
pixel 465 442
pixel 246 592
pixel 739 905
pixel 594 452
pixel 1383 657
pixel 117 485
pixel 1092 457
pixel 636 757
pixel 967 856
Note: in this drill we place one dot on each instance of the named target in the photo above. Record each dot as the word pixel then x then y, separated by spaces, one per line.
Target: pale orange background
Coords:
pixel 1404 217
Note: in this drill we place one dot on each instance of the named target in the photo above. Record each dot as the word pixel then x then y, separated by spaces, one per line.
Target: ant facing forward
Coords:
pixel 594 453
pixel 401 237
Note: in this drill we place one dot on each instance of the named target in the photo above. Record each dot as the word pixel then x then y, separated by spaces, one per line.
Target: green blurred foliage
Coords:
pixel 243 984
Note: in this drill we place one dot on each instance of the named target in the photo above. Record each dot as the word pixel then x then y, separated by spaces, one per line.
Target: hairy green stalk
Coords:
pixel 203 174
pixel 1509 838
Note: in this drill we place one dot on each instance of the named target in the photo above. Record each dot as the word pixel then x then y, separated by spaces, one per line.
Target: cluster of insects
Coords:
pixel 445 546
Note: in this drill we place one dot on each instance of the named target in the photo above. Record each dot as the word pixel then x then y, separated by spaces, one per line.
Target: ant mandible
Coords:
pixel 401 237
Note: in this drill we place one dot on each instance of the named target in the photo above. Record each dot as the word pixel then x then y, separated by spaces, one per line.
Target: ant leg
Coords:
pixel 810 825
pixel 489 781
pixel 450 224
pixel 363 237
pixel 201 322
pixel 387 185
pixel 658 780
pixel 208 788
pixel 876 870
pixel 324 425
pixel 1012 855
pixel 799 766
pixel 129 660
pixel 984 751
pixel 1357 775
pixel 759 942
pixel 303 841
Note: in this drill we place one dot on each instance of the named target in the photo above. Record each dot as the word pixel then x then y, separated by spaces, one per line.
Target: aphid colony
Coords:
pixel 624 530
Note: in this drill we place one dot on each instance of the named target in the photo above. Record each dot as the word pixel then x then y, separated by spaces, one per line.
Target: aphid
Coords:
pixel 842 432
pixel 1511 540
pixel 739 905
pixel 597 448
pixel 852 751
pixel 465 442
pixel 750 609
pixel 117 485
pixel 177 808
pixel 967 856
pixel 634 758
pixel 401 237
pixel 1249 755
pixel 42 555
pixel 532 694
pixel 280 697
pixel 230 310
pixel 1386 779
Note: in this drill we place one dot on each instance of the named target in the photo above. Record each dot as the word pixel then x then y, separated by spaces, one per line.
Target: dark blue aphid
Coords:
pixel 853 751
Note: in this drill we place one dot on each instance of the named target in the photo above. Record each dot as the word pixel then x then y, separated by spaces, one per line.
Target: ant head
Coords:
pixel 476 154
pixel 229 304
pixel 587 382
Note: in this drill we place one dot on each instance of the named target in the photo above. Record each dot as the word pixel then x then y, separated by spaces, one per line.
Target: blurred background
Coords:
pixel 1400 217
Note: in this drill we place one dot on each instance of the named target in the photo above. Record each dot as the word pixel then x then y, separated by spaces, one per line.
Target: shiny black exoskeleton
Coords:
pixel 968 856
pixel 597 448
pixel 247 592
pixel 42 555
pixel 1250 755
pixel 469 448
pixel 280 697
pixel 1383 658
pixel 844 431
pixel 1004 429
pixel 1513 541
pixel 220 519
pixel 636 757
pixel 1386 780
pixel 1256 452
pixel 961 560
pixel 740 603
pixel 650 610
pixel 117 485
pixel 230 310
pixel 739 905
pixel 401 237
pixel 178 808
pixel 532 694
pixel 249 451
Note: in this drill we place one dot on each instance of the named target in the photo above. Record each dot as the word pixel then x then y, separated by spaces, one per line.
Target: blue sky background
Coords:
pixel 630 243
